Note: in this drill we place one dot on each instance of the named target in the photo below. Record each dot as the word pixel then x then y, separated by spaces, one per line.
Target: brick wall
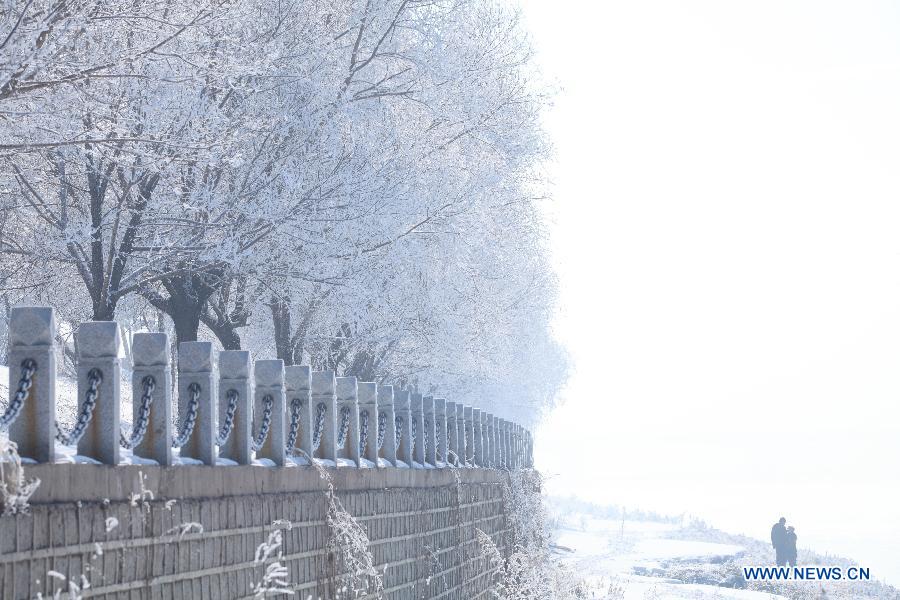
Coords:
pixel 420 523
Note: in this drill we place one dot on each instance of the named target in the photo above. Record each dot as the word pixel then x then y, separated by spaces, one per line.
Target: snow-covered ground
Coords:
pixel 655 558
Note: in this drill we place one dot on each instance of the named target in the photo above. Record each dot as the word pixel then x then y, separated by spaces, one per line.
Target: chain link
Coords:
pixel 363 431
pixel 296 405
pixel 382 428
pixel 438 455
pixel 345 426
pixel 321 410
pixel 95 378
pixel 140 425
pixel 190 417
pixel 398 431
pixel 29 367
pixel 414 425
pixel 268 403
pixel 230 410
pixel 425 437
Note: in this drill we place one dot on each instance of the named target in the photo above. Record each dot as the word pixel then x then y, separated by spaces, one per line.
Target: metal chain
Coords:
pixel 398 431
pixel 382 428
pixel 438 456
pixel 95 377
pixel 29 367
pixel 268 403
pixel 140 425
pixel 321 409
pixel 425 437
pixel 363 431
pixel 230 410
pixel 296 405
pixel 414 425
pixel 190 417
pixel 345 427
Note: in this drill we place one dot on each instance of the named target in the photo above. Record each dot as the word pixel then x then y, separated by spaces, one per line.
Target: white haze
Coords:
pixel 727 235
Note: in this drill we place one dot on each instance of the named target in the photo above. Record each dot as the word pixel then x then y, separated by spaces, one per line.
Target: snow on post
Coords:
pixel 348 404
pixel 368 413
pixel 196 365
pixel 388 450
pixel 452 433
pixel 404 414
pixel 440 428
pixel 234 382
pixel 32 334
pixel 323 393
pixel 150 357
pixel 298 385
pixel 469 434
pixel 269 393
pixel 461 434
pixel 477 439
pixel 429 438
pixel 417 410
pixel 98 348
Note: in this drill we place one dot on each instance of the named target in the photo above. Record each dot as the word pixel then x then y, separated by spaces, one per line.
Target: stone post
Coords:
pixel 196 364
pixel 416 407
pixel 323 393
pixel 347 394
pixel 32 335
pixel 485 442
pixel 388 450
pixel 477 439
pixel 440 428
pixel 98 348
pixel 507 444
pixel 234 376
pixel 297 384
pixel 430 437
pixel 489 439
pixel 498 446
pixel 461 433
pixel 269 376
pixel 520 446
pixel 150 355
pixel 470 436
pixel 368 413
pixel 452 434
pixel 529 450
pixel 404 413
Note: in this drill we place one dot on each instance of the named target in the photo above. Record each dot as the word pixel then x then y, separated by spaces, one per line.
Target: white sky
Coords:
pixel 727 234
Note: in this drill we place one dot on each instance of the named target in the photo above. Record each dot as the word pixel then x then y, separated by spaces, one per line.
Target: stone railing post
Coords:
pixel 485 442
pixel 498 447
pixel 520 447
pixel 440 428
pixel 98 348
pixel 470 436
pixel 269 377
pixel 404 414
pixel 461 433
pixel 297 385
pixel 347 393
pixel 388 450
pixel 368 416
pixel 196 365
pixel 478 439
pixel 508 445
pixel 32 335
pixel 452 434
pixel 234 380
pixel 489 439
pixel 416 408
pixel 150 356
pixel 323 394
pixel 529 450
pixel 430 437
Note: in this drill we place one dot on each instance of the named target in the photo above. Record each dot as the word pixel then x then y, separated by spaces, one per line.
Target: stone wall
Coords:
pixel 421 526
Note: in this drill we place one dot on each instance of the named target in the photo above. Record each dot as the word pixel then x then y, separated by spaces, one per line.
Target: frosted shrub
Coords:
pixel 351 567
pixel 15 490
pixel 530 572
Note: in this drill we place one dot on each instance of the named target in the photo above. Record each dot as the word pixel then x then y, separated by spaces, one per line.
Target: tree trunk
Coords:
pixel 281 319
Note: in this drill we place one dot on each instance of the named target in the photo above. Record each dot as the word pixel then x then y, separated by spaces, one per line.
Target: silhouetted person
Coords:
pixel 779 541
pixel 790 547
